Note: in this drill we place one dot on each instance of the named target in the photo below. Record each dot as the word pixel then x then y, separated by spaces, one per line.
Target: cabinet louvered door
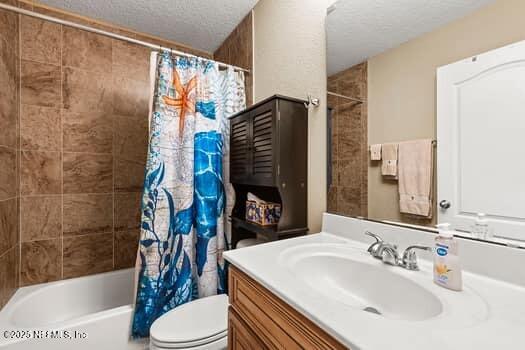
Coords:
pixel 240 149
pixel 262 144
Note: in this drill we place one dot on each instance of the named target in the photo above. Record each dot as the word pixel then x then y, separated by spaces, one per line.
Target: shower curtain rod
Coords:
pixel 105 33
pixel 343 96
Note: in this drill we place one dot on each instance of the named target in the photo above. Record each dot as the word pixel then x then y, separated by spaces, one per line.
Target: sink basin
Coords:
pixel 359 281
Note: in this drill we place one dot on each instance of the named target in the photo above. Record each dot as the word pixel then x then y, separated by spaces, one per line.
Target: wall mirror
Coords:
pixel 441 101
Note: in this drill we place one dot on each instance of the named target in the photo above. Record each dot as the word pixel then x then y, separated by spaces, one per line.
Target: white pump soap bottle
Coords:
pixel 447 267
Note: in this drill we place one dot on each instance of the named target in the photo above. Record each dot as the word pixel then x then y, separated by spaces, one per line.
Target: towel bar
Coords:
pixel 434 143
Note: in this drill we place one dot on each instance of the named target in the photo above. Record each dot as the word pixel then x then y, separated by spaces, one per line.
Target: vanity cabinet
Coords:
pixel 257 319
pixel 269 158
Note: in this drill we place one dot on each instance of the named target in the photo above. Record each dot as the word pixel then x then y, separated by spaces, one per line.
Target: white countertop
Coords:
pixel 499 325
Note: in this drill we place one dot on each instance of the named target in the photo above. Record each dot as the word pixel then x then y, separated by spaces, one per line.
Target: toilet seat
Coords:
pixel 203 344
pixel 200 324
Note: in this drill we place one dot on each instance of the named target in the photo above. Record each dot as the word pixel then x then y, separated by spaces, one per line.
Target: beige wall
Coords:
pixel 290 59
pixel 401 84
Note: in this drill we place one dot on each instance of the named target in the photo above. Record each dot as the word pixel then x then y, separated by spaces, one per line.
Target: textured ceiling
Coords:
pixel 201 24
pixel 360 29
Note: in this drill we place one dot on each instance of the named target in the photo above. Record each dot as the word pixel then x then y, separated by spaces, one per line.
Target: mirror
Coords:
pixel 443 110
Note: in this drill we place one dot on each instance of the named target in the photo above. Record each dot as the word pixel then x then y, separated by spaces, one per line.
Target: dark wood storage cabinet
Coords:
pixel 254 142
pixel 268 157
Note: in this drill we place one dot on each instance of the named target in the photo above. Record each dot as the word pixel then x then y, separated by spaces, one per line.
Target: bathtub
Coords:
pixel 92 312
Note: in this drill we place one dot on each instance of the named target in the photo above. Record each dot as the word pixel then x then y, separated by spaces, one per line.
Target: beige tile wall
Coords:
pixel 348 191
pixel 9 80
pixel 80 153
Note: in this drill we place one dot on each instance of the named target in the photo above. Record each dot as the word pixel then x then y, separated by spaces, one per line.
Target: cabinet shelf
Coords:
pixel 268 231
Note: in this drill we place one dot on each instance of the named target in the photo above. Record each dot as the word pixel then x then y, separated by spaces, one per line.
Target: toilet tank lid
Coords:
pixel 196 320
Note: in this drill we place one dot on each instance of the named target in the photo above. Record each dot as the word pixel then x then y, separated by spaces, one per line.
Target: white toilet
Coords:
pixel 198 325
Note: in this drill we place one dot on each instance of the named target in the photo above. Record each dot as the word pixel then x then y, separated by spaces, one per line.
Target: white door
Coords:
pixel 481 141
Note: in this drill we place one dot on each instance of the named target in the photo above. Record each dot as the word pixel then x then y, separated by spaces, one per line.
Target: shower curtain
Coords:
pixel 186 186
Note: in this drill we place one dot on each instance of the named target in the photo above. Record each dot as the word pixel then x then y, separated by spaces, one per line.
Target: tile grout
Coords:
pixel 62 151
pixel 36 195
pixel 113 169
pixel 62 155
pixel 71 236
pixel 40 240
pixel 19 153
pixel 10 148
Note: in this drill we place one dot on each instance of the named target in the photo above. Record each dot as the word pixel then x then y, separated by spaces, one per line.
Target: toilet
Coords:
pixel 198 325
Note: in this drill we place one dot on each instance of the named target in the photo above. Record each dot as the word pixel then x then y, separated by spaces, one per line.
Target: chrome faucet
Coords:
pixel 374 248
pixel 382 250
pixel 388 253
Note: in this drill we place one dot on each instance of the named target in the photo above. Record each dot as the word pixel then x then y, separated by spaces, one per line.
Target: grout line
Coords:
pixel 9 147
pixel 39 62
pixel 40 240
pixel 86 70
pixel 61 105
pixel 36 195
pixel 39 150
pixel 113 167
pixel 18 272
pixel 10 198
pixel 88 194
pixel 90 153
pixel 68 235
pixel 19 153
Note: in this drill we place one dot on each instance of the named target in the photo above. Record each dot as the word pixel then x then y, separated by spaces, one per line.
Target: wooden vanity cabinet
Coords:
pixel 257 319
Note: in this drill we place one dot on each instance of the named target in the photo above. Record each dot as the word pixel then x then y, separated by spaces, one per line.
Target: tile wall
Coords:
pixel 9 80
pixel 348 189
pixel 81 103
pixel 237 49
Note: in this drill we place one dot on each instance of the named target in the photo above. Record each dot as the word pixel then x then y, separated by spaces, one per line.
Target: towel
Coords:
pixel 415 170
pixel 389 155
pixel 375 152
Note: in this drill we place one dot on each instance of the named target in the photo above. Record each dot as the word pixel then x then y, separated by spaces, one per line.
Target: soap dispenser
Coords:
pixel 447 268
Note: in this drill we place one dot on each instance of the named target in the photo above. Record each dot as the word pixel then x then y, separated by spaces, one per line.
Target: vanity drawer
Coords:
pixel 275 323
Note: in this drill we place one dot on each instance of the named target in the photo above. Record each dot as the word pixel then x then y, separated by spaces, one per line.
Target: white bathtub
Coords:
pixel 97 307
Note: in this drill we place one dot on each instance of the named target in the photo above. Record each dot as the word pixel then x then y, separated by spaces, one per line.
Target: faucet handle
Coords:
pixel 388 253
pixel 374 247
pixel 409 260
pixel 377 238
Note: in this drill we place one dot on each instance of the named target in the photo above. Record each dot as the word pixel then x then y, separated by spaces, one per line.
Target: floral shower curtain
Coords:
pixel 186 186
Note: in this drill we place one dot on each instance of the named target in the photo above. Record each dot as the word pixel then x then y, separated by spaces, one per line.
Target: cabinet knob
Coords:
pixel 283 185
